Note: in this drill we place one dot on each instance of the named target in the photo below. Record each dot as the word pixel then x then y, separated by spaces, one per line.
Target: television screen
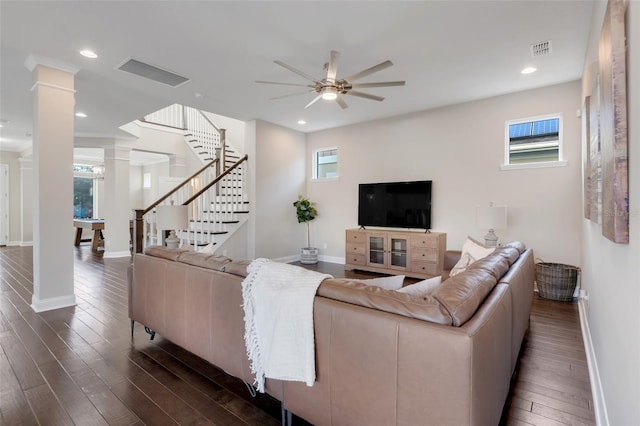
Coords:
pixel 395 204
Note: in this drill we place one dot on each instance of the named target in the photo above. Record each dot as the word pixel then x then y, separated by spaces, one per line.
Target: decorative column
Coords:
pixel 26 201
pixel 53 115
pixel 116 207
pixel 177 167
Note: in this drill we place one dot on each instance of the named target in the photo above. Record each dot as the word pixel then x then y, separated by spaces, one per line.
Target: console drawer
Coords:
pixel 430 268
pixel 356 259
pixel 426 241
pixel 355 248
pixel 356 237
pixel 424 254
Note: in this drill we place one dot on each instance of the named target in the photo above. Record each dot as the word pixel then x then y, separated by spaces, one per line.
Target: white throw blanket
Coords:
pixel 278 317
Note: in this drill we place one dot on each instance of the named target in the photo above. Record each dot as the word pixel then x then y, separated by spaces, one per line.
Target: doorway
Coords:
pixel 4 204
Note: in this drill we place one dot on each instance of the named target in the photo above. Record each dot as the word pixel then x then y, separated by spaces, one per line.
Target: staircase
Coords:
pixel 215 194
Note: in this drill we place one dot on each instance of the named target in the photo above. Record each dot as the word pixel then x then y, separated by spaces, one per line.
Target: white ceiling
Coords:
pixel 447 51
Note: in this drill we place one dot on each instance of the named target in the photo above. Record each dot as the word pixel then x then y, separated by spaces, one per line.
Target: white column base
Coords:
pixel 52 303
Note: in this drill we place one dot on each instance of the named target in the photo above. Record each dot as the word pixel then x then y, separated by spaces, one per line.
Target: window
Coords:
pixel 533 142
pixel 325 163
pixel 82 197
pixel 146 180
pixel 85 190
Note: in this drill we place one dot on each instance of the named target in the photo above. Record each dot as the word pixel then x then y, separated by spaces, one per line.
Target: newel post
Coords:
pixel 223 144
pixel 138 231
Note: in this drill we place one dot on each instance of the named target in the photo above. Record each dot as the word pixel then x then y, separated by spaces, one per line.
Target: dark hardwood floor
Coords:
pixel 80 366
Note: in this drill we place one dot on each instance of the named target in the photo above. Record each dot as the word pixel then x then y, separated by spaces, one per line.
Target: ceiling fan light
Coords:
pixel 329 94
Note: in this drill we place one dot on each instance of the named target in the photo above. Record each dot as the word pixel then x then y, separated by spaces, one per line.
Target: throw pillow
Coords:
pixel 422 288
pixel 209 248
pixel 472 250
pixel 393 282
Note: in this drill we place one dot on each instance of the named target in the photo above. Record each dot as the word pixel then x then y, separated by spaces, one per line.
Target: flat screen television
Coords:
pixel 395 204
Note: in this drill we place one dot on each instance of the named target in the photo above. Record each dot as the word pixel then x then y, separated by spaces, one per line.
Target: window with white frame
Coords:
pixel 325 163
pixel 85 190
pixel 533 141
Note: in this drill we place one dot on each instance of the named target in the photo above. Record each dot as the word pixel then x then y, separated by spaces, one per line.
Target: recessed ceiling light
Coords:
pixel 81 114
pixel 302 122
pixel 89 54
pixel 528 70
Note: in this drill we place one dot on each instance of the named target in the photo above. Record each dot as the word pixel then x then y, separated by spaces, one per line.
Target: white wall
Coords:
pixel 235 130
pixel 611 272
pixel 15 219
pixel 460 148
pixel 135 187
pixel 279 178
pixel 150 195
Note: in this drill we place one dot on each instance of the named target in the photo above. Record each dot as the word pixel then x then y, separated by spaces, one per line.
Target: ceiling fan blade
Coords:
pixel 364 73
pixel 291 94
pixel 365 95
pixel 313 101
pixel 297 71
pixel 284 84
pixel 332 69
pixel 380 84
pixel 341 102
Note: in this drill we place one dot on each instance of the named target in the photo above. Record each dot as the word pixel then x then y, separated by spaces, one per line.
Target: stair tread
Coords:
pixel 191 231
pixel 215 221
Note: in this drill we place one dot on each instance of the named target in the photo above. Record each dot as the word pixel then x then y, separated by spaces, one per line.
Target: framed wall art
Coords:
pixel 613 124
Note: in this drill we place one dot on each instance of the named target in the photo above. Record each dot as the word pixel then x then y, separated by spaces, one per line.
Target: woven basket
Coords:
pixel 556 281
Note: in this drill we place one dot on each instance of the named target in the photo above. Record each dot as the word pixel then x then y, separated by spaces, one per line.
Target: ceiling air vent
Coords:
pixel 542 48
pixel 153 73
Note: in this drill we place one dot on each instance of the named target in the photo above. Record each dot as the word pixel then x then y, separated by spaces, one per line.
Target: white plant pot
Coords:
pixel 309 255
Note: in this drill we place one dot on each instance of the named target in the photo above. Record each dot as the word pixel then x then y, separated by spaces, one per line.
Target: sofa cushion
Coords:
pixel 236 267
pixel 472 250
pixel 164 252
pixel 462 294
pixel 393 282
pixel 425 308
pixel 422 288
pixel 495 264
pixel 203 260
pixel 516 245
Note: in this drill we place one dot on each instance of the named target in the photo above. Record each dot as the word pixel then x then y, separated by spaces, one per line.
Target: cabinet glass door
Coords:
pixel 376 250
pixel 398 252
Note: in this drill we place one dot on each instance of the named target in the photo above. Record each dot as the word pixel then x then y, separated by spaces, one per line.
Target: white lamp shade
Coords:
pixel 492 217
pixel 172 217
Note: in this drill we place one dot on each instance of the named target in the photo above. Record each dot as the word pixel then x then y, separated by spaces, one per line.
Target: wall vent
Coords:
pixel 152 72
pixel 542 48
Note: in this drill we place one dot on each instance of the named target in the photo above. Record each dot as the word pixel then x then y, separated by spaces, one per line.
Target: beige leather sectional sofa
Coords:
pixel 382 357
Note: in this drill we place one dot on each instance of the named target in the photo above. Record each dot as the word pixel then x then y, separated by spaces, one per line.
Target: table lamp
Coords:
pixel 491 217
pixel 171 218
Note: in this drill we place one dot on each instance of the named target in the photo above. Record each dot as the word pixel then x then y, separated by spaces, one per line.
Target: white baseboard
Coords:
pixel 20 244
pixel 53 303
pixel 287 259
pixel 321 258
pixel 599 406
pixel 332 259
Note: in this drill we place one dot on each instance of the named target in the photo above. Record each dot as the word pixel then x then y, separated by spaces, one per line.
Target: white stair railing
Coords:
pixel 171 116
pixel 215 195
pixel 215 209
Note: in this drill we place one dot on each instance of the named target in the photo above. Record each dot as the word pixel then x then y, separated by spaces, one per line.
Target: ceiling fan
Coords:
pixel 332 88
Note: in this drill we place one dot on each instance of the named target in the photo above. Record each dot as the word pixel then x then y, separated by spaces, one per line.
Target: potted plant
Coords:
pixel 306 212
